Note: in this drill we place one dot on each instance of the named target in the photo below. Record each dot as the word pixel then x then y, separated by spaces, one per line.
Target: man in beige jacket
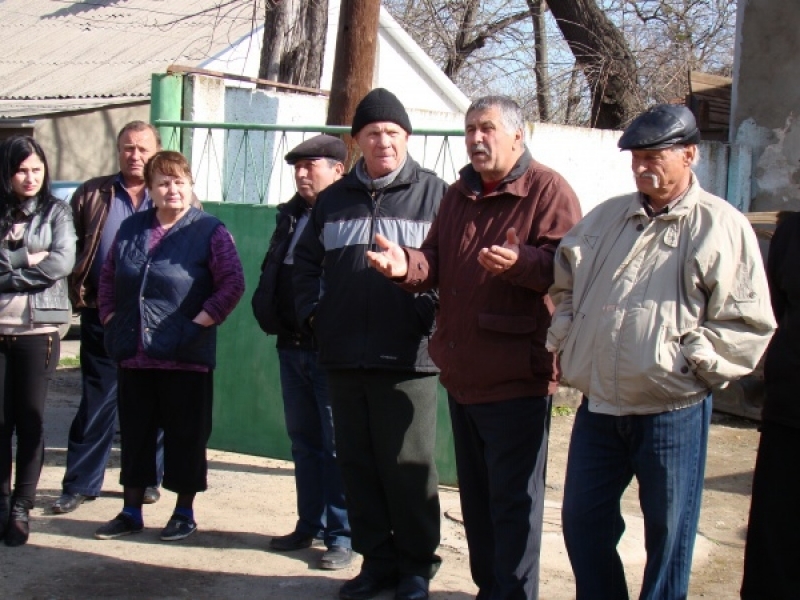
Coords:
pixel 659 295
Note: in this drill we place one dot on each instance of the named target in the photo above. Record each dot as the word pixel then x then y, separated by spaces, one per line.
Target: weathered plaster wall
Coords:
pixel 766 100
pixel 81 145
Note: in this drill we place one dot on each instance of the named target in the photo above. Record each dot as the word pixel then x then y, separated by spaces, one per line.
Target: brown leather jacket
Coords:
pixel 89 212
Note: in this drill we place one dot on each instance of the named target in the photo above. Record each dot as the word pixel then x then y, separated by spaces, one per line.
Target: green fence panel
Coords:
pixel 248 409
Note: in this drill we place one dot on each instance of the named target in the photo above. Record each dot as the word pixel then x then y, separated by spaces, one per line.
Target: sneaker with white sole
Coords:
pixel 178 527
pixel 120 525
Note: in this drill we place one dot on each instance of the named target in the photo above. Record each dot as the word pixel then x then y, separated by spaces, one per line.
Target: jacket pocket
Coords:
pixel 505 343
pixel 195 343
pixel 570 369
pixel 118 339
pixel 672 371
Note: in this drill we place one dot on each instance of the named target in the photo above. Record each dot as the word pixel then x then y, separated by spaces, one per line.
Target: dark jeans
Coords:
pixel 772 553
pixel 92 432
pixel 27 363
pixel 501 459
pixel 385 439
pixel 309 421
pixel 666 452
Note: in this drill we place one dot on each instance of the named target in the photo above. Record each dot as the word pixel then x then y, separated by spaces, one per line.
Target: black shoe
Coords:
pixel 412 587
pixel 18 525
pixel 336 557
pixel 151 495
pixel 120 525
pixel 66 503
pixel 178 527
pixel 293 541
pixel 365 585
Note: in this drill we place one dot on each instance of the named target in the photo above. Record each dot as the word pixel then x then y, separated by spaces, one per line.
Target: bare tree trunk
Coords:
pixel 537 8
pixel 460 52
pixel 601 51
pixel 294 41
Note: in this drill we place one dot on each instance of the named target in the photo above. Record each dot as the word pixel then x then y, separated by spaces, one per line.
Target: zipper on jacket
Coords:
pixel 49 350
pixel 376 202
pixel 373 227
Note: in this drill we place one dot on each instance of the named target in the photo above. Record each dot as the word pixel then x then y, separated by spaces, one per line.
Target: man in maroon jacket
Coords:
pixel 490 251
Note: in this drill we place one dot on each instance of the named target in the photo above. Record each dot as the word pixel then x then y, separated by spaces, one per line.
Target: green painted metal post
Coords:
pixel 166 104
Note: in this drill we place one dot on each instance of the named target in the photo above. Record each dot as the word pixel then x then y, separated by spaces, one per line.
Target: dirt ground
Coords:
pixel 251 499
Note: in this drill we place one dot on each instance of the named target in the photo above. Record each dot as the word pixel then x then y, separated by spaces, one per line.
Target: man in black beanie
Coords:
pixel 373 341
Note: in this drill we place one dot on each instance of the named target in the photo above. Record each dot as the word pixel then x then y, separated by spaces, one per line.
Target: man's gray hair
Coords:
pixel 510 112
pixel 140 126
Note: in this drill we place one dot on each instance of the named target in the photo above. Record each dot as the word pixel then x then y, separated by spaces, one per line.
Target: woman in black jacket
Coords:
pixel 772 553
pixel 37 252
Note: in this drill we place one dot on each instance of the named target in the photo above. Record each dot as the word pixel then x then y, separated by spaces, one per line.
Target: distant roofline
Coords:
pixel 399 35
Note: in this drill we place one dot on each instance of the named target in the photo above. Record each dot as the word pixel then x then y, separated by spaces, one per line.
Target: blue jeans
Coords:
pixel 667 454
pixel 91 434
pixel 309 421
pixel 501 459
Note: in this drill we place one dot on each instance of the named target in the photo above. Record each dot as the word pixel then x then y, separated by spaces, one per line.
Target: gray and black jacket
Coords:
pixel 51 231
pixel 361 319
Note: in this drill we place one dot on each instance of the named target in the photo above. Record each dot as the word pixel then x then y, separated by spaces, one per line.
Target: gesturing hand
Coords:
pixel 499 259
pixel 391 262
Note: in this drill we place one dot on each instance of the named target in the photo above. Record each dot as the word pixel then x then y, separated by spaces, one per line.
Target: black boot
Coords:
pixel 5 510
pixel 18 524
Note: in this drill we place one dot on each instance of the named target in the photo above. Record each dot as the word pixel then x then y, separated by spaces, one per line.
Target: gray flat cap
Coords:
pixel 662 126
pixel 319 146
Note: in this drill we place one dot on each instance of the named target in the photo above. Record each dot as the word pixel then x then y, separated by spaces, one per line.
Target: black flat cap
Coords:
pixel 659 127
pixel 380 105
pixel 319 146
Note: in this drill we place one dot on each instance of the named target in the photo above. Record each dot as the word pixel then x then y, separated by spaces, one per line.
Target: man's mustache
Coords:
pixel 479 147
pixel 655 180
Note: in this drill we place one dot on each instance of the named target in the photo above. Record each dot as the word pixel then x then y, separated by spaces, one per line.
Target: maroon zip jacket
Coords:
pixel 491 329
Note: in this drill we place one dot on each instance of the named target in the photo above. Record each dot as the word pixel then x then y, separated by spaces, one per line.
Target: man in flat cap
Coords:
pixel 660 295
pixel 317 162
pixel 373 342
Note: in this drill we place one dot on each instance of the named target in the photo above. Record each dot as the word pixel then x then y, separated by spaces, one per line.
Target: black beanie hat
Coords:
pixel 379 105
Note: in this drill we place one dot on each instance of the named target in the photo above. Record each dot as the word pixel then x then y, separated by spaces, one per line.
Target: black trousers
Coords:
pixel 385 424
pixel 501 458
pixel 180 403
pixel 27 363
pixel 772 551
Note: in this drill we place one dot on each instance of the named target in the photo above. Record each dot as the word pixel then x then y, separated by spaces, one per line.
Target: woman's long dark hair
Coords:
pixel 13 152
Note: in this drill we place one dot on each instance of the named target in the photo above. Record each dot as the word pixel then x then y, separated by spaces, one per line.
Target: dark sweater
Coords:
pixel 782 363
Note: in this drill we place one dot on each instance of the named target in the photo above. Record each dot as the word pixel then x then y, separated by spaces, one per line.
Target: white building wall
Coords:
pixel 587 158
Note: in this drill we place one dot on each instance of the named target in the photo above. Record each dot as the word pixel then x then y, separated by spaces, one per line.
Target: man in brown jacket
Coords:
pixel 490 251
pixel 99 206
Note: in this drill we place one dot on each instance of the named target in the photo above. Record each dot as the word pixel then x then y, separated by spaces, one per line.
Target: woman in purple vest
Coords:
pixel 37 252
pixel 171 277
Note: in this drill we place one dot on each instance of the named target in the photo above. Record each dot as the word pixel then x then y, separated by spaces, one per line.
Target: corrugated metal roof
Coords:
pixel 109 48
pixel 26 108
